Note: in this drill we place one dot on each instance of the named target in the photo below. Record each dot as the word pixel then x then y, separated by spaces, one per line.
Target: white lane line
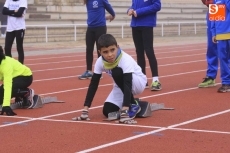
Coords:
pixel 151 132
pixel 70 90
pixel 74 76
pixel 63 91
pixel 162 65
pixel 123 125
pixel 157 50
pixel 70 112
pixel 71 61
pixel 136 125
pixel 20 117
pixel 202 131
pixel 91 107
pixel 101 123
pixel 34 119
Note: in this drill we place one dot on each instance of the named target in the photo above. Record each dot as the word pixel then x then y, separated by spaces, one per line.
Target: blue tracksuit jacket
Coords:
pixel 96 12
pixel 146 12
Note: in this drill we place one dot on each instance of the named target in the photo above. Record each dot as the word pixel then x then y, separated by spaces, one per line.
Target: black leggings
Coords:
pixel 143 40
pixel 117 74
pixel 92 35
pixel 19 87
pixel 109 107
pixel 10 36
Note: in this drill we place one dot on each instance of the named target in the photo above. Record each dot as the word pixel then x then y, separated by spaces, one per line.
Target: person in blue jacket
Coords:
pixel 96 27
pixel 221 35
pixel 144 16
pixel 211 56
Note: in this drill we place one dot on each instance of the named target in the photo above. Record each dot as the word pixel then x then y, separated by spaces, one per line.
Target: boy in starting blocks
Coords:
pixel 128 81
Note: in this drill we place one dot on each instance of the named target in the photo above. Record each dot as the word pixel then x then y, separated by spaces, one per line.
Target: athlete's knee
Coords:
pixel 117 73
pixel 109 107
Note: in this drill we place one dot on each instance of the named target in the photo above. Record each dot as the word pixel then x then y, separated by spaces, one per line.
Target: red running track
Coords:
pixel 200 122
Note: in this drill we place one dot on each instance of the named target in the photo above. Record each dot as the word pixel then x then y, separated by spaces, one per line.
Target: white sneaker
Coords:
pixel 3 35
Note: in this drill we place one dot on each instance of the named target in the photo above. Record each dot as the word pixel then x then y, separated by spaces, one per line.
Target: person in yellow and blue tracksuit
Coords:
pixel 211 55
pixel 221 35
pixel 16 79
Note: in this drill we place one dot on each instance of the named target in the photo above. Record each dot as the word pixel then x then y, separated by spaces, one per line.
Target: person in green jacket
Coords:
pixel 16 78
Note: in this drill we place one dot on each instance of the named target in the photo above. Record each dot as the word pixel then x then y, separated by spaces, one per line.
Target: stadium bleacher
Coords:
pixel 177 17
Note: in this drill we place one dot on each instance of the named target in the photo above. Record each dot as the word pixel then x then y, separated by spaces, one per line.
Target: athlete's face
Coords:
pixel 109 53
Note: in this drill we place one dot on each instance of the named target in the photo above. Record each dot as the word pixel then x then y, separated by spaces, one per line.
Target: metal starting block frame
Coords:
pixel 39 101
pixel 46 100
pixel 161 106
pixel 148 110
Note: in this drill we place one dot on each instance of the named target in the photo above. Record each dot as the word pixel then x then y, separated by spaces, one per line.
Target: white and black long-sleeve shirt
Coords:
pixel 128 65
pixel 16 20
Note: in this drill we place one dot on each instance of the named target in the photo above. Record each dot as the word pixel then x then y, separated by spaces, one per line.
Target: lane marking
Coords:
pixel 70 112
pixel 122 125
pixel 151 132
pixel 204 131
pixel 71 61
pixel 135 125
pixel 74 76
pixel 71 67
pixel 156 49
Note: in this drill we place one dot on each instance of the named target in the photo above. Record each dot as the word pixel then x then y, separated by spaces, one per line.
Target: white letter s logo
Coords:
pixel 212 8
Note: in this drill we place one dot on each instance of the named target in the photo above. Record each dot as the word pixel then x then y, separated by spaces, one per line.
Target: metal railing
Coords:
pixel 122 26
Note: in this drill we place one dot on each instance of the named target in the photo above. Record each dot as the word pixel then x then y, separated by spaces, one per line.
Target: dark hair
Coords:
pixel 106 40
pixel 85 1
pixel 2 55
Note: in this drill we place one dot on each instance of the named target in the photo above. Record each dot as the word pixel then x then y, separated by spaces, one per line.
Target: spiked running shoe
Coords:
pixel 28 100
pixel 25 102
pixel 208 82
pixel 134 110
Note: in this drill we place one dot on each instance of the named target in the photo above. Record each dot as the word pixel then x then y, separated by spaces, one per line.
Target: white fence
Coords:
pixel 163 28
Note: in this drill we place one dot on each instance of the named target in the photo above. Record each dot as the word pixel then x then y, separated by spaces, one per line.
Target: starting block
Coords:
pixel 46 100
pixel 39 101
pixel 113 116
pixel 146 110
